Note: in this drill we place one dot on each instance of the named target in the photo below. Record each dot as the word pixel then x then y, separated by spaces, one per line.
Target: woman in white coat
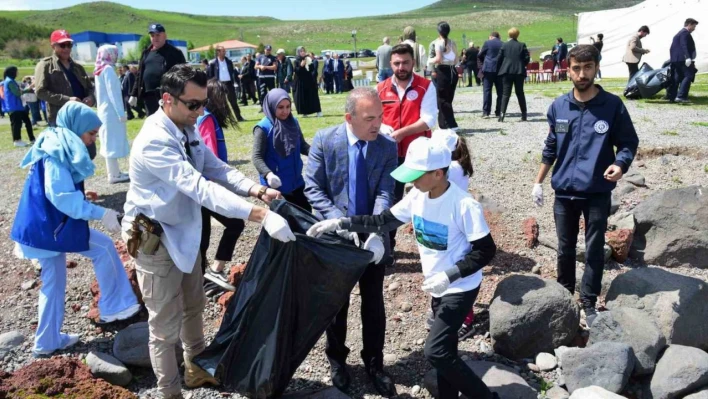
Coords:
pixel 109 100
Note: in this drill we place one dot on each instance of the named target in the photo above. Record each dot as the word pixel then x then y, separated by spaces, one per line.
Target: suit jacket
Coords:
pixel 683 46
pixel 327 67
pixel 340 68
pixel 327 173
pixel 513 58
pixel 488 55
pixel 634 50
pixel 127 84
pixel 213 68
pixel 562 52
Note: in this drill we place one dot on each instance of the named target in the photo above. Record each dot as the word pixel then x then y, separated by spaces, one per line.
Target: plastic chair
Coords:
pixel 547 71
pixel 533 70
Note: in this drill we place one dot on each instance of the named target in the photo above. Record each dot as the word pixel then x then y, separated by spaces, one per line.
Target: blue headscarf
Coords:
pixel 63 143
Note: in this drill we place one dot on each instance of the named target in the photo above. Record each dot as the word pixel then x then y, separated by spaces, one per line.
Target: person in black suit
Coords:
pixel 512 61
pixel 488 56
pixel 327 74
pixel 126 87
pixel 315 67
pixel 683 63
pixel 247 78
pixel 222 69
pixel 471 64
pixel 337 73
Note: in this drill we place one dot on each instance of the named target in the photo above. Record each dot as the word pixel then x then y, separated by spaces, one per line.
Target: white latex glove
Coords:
pixel 133 101
pixel 277 227
pixel 123 119
pixel 375 244
pixel 386 129
pixel 537 194
pixel 273 180
pixel 325 226
pixel 348 235
pixel 110 221
pixel 437 283
pixel 688 62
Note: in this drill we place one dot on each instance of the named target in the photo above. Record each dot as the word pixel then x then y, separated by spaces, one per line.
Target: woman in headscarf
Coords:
pixel 445 76
pixel 52 220
pixel 109 102
pixel 217 117
pixel 348 72
pixel 12 104
pixel 307 99
pixel 277 145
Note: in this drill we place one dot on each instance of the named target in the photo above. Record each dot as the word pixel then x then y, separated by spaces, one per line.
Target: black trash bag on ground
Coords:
pixel 632 91
pixel 289 294
pixel 652 82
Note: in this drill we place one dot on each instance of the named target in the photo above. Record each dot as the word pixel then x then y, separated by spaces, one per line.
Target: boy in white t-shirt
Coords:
pixel 454 244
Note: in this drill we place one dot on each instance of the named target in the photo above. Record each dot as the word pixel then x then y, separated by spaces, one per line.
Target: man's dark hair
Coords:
pixel 600 36
pixel 176 78
pixel 644 29
pixel 11 72
pixel 690 21
pixel 494 34
pixel 560 40
pixel 403 48
pixel 584 53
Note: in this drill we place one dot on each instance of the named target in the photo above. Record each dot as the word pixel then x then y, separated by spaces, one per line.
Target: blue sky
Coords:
pixel 281 9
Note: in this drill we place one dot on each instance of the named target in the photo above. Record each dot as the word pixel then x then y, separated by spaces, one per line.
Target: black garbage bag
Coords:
pixel 289 294
pixel 632 90
pixel 652 82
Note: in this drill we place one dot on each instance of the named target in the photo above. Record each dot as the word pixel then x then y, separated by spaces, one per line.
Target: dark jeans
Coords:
pixel 227 244
pixel 373 323
pixel 264 86
pixel 17 118
pixel 518 82
pixel 472 74
pixel 490 80
pixel 445 83
pixel 34 111
pixel 247 91
pixel 567 212
pixel 398 190
pixel 454 376
pixel 231 95
pixel 298 198
pixel 633 68
pixel 152 102
pixel 329 83
pixel 681 78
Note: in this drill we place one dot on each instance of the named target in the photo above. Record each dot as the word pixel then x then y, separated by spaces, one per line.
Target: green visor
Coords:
pixel 405 174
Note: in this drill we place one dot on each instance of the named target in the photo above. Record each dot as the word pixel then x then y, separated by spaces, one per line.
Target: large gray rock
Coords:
pixel 503 380
pixel 635 328
pixel 557 393
pixel 679 304
pixel 702 394
pixel 9 341
pixel 594 392
pixel 680 370
pixel 605 364
pixel 529 315
pixel 672 228
pixel 109 368
pixel 623 221
pixel 130 345
pixel 635 178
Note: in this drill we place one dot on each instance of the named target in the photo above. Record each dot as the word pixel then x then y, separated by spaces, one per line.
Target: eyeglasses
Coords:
pixel 65 44
pixel 194 105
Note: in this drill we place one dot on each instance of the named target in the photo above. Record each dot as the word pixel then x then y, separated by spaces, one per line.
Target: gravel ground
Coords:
pixel 506 159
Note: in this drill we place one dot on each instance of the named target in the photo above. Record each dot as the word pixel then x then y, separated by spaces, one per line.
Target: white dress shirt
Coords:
pixel 168 186
pixel 223 71
pixel 429 105
pixel 352 151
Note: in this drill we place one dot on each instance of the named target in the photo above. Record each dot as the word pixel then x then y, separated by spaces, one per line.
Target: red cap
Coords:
pixel 60 36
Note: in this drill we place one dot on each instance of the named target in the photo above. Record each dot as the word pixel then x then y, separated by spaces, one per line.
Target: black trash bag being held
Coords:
pixel 289 294
pixel 632 90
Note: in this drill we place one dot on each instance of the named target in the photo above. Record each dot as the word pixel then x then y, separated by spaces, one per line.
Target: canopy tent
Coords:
pixel 663 17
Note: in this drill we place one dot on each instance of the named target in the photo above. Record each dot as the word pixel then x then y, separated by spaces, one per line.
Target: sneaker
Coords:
pixel 72 339
pixel 219 278
pixel 466 331
pixel 19 143
pixel 122 315
pixel 121 178
pixel 590 315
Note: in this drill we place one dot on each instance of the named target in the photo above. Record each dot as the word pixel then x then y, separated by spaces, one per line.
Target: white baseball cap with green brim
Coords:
pixel 424 155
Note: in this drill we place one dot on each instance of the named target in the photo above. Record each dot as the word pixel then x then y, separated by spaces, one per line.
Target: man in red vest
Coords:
pixel 410 107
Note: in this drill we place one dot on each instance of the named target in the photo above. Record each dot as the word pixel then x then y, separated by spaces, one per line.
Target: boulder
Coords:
pixel 635 328
pixel 557 393
pixel 678 304
pixel 605 364
pixel 530 230
pixel 109 368
pixel 9 341
pixel 503 380
pixel 702 394
pixel 635 178
pixel 620 241
pixel 546 361
pixel 594 392
pixel 130 346
pixel 529 315
pixel 624 190
pixel 680 370
pixel 623 221
pixel 672 228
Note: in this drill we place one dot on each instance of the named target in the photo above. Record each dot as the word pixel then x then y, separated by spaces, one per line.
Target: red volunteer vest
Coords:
pixel 402 113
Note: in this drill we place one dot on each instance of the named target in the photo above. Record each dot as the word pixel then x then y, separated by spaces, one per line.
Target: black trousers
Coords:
pixel 681 79
pixel 227 244
pixel 567 212
pixel 518 82
pixel 633 68
pixel 445 83
pixel 231 95
pixel 472 72
pixel 152 102
pixel 373 323
pixel 490 80
pixel 247 91
pixel 398 190
pixel 264 86
pixel 453 375
pixel 298 198
pixel 329 83
pixel 17 118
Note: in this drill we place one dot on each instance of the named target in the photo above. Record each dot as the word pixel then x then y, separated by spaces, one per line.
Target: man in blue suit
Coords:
pixel 349 173
pixel 683 58
pixel 327 74
pixel 338 73
pixel 488 56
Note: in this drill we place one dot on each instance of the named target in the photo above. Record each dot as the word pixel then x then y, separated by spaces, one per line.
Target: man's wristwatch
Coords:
pixel 261 192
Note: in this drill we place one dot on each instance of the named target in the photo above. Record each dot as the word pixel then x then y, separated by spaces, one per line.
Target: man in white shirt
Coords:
pixel 223 69
pixel 173 175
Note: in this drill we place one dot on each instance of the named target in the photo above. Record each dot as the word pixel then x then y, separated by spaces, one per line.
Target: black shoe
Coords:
pixel 523 118
pixel 485 116
pixel 681 101
pixel 590 314
pixel 501 118
pixel 341 378
pixel 382 382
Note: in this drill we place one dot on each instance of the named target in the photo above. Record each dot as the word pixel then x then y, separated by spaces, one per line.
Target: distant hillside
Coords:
pixel 11 29
pixel 540 21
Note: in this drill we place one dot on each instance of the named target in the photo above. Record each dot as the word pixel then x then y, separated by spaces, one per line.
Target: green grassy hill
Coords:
pixel 540 22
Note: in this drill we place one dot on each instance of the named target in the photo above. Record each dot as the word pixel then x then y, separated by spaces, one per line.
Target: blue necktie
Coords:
pixel 361 200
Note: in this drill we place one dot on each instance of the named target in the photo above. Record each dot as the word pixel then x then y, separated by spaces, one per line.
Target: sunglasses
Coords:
pixel 194 105
pixel 65 44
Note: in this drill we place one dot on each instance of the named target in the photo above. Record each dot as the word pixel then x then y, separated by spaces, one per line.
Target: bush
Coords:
pixel 27 49
pixel 144 43
pixel 211 53
pixel 11 29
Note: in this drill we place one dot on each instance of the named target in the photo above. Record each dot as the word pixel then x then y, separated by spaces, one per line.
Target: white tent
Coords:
pixel 663 17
